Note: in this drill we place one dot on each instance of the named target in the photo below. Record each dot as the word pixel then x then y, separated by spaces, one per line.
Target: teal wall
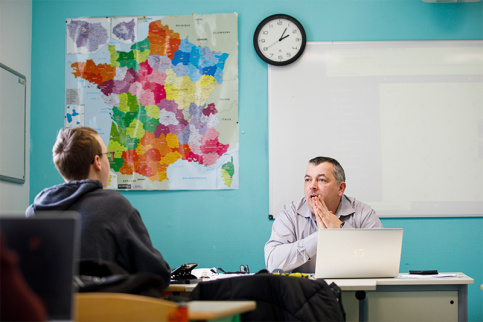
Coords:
pixel 229 228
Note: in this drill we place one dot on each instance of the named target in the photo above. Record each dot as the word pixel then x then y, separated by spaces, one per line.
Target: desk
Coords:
pixel 396 299
pixel 97 306
pixel 406 299
pixel 210 310
pixel 214 310
pixel 179 289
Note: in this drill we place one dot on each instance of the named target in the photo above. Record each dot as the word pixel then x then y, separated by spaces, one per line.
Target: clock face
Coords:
pixel 279 39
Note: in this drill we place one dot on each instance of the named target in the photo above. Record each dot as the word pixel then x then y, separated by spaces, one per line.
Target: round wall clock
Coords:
pixel 279 39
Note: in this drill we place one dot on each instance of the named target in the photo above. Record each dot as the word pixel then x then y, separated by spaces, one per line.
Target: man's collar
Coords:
pixel 345 207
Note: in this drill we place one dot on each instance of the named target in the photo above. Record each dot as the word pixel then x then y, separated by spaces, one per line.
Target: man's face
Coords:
pixel 105 165
pixel 320 181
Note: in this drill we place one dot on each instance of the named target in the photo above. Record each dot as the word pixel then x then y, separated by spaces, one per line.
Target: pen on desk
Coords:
pixel 301 275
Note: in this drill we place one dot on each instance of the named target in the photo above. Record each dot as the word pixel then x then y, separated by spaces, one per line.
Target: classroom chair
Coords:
pixel 110 307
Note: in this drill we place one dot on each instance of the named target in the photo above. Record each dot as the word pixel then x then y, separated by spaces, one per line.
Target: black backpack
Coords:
pixel 278 297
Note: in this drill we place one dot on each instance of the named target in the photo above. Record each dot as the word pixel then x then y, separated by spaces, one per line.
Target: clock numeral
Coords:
pixel 279 22
pixel 265 32
pixel 280 57
pixel 265 48
pixel 262 40
pixel 295 47
pixel 289 55
pixel 294 31
pixel 298 39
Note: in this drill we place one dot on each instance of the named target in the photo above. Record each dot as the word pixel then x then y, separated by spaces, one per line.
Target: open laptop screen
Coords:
pixel 358 253
pixel 47 247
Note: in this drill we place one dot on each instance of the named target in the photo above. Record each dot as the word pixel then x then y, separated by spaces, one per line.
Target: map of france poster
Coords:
pixel 162 91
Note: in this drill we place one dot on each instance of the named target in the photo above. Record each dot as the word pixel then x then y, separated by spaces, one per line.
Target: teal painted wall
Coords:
pixel 229 228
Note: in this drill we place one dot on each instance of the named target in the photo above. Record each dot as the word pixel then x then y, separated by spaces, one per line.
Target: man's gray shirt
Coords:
pixel 293 242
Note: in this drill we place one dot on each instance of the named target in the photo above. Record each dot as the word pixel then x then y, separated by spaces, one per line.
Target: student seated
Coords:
pixel 111 228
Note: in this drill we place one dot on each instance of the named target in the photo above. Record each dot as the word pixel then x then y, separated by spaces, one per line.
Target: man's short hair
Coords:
pixel 339 173
pixel 74 151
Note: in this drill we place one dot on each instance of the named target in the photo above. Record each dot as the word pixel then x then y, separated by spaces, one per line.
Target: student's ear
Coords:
pixel 97 163
pixel 342 187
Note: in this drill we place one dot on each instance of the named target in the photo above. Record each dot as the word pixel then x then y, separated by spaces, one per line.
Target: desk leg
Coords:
pixel 363 308
pixel 463 302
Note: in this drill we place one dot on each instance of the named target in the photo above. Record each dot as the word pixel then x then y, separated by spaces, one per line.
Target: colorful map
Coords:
pixel 163 94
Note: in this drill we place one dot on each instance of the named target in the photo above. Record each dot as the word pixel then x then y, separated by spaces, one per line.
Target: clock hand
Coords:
pixel 282 37
pixel 273 44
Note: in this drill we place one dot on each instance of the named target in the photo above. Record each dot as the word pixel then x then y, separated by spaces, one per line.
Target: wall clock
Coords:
pixel 279 39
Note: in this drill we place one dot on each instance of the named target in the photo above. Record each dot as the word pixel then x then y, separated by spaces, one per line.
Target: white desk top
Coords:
pixel 370 284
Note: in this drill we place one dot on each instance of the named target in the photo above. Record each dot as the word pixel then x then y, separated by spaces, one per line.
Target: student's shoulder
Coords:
pixel 113 197
pixel 113 194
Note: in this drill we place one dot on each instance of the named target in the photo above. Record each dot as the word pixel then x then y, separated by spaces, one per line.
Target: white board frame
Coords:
pixel 13 91
pixel 363 78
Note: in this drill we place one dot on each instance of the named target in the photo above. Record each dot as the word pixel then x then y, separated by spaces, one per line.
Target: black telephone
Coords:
pixel 182 274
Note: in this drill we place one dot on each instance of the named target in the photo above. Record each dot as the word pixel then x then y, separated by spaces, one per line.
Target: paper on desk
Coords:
pixel 440 275
pixel 211 274
pixel 204 272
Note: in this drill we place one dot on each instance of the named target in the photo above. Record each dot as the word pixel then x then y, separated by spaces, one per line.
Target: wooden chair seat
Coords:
pixel 106 307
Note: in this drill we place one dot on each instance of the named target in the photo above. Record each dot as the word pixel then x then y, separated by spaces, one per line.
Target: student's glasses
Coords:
pixel 109 155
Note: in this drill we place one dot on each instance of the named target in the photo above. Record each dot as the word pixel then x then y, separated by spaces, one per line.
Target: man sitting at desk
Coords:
pixel 111 229
pixel 293 242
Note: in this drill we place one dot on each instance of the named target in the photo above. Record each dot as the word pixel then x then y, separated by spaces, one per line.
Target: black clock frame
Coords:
pixel 275 17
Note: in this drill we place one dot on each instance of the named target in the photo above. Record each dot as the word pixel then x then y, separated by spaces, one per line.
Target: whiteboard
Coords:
pixel 12 125
pixel 404 118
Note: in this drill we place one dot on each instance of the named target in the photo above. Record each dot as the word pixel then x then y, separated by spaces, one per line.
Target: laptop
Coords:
pixel 358 253
pixel 47 248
